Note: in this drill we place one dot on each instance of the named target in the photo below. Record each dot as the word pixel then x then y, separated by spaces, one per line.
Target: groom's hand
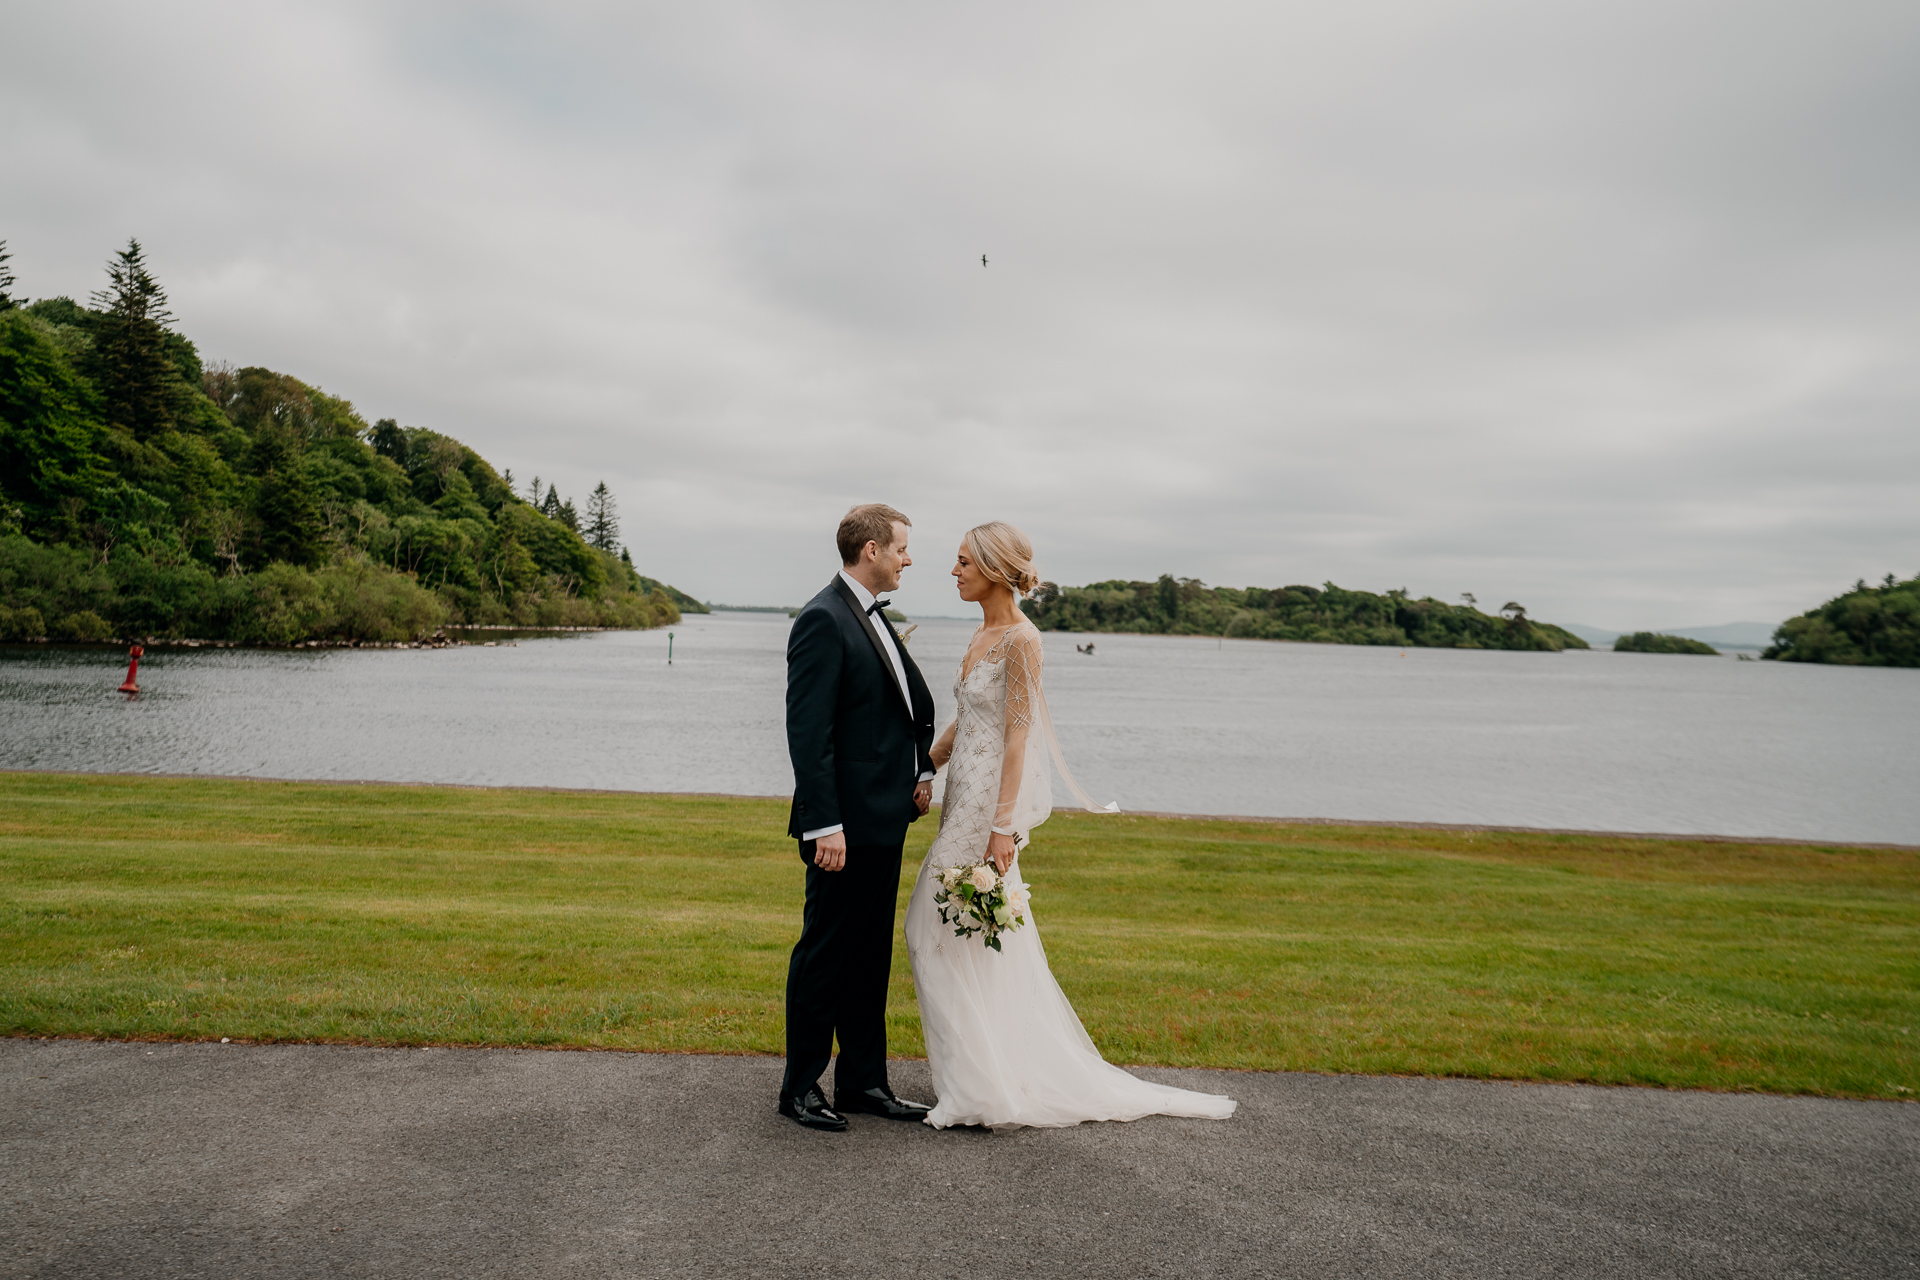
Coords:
pixel 923 797
pixel 830 852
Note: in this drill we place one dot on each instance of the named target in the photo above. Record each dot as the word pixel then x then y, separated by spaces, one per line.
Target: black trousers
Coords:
pixel 837 979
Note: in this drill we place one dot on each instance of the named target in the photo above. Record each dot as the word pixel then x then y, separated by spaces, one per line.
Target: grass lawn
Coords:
pixel 151 907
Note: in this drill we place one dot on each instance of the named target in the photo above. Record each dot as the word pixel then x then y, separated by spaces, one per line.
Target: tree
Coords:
pixel 389 440
pixel 1166 594
pixel 603 523
pixel 1868 626
pixel 568 516
pixel 550 505
pixel 47 438
pixel 6 279
pixel 137 380
pixel 284 503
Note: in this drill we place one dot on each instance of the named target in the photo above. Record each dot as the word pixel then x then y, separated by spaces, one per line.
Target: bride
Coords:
pixel 1006 1047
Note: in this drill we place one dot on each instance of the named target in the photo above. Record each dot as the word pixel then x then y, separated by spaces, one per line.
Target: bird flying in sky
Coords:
pixel 983 259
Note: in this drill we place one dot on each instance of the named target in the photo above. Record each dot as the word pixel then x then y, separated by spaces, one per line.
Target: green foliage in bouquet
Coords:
pixel 976 898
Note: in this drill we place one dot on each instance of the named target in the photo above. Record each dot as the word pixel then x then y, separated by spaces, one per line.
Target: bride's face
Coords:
pixel 973 584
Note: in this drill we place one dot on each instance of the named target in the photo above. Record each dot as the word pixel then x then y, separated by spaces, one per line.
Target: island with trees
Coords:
pixel 1659 642
pixel 1325 614
pixel 1865 627
pixel 144 493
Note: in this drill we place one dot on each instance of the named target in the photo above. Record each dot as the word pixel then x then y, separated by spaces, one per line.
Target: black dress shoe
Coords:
pixel 879 1101
pixel 809 1110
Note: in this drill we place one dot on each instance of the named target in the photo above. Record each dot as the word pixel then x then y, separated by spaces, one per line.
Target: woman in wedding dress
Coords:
pixel 1006 1047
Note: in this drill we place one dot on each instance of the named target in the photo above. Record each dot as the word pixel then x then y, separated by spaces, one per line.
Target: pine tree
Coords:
pixel 568 516
pixel 550 506
pixel 6 279
pixel 130 364
pixel 603 522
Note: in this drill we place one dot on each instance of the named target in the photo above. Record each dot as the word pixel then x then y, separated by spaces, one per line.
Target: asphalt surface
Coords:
pixel 304 1160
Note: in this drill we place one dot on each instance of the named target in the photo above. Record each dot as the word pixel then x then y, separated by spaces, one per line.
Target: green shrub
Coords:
pixel 55 580
pixel 278 605
pixel 21 624
pixel 153 599
pixel 85 625
pixel 366 602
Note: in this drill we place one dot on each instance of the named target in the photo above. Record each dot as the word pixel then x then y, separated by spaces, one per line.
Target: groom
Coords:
pixel 859 727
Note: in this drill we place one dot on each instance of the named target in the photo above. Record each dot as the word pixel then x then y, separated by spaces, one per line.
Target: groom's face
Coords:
pixel 889 561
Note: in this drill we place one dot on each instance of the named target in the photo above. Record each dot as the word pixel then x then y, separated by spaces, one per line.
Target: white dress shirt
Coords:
pixel 866 599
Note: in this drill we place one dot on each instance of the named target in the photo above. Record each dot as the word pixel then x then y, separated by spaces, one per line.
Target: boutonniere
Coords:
pixel 906 633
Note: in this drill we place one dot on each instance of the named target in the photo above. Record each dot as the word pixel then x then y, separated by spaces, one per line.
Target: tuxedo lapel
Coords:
pixel 852 602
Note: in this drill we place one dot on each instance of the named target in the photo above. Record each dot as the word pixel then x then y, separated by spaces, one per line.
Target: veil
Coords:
pixel 1045 717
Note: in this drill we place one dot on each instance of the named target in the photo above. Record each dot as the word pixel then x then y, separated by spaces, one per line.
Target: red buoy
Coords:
pixel 133 669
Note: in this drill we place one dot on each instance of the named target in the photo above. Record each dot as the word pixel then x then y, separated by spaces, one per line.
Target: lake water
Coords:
pixel 1630 742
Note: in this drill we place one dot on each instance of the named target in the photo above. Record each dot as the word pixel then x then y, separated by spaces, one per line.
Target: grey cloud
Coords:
pixel 1609 309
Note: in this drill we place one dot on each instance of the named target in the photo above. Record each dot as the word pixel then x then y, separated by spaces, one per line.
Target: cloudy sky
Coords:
pixel 1611 309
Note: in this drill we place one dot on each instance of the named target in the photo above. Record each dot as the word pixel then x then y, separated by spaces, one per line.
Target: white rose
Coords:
pixel 983 878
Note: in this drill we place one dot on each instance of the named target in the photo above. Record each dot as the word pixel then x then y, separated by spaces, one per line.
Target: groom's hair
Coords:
pixel 868 522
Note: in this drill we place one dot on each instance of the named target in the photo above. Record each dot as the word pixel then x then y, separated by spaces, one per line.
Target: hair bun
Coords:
pixel 1005 555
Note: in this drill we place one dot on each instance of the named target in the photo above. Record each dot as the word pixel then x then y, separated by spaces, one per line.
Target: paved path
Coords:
pixel 300 1160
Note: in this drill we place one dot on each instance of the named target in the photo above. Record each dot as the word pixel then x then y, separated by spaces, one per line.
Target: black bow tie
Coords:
pixel 880 604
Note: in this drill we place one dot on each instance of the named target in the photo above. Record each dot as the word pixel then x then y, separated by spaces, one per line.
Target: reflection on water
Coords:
pixel 1639 742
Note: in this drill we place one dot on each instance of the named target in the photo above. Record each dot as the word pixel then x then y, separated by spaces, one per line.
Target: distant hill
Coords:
pixel 1325 614
pixel 1730 635
pixel 1725 635
pixel 1593 635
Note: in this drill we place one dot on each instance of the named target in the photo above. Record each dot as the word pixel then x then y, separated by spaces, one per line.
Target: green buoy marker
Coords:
pixel 669 648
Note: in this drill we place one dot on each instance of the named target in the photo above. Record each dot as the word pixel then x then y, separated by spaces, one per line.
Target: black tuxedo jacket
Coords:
pixel 857 744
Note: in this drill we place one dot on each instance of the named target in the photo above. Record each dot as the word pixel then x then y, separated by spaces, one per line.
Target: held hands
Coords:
pixel 1000 851
pixel 830 852
pixel 923 797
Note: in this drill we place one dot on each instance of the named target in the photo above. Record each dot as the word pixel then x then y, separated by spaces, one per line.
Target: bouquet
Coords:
pixel 977 899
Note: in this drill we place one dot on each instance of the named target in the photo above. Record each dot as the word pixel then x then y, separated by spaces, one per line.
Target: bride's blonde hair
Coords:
pixel 1004 554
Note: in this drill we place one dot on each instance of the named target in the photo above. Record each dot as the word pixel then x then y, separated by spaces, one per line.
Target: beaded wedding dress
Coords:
pixel 1006 1047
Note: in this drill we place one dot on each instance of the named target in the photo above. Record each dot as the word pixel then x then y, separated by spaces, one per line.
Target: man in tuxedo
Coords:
pixel 859 729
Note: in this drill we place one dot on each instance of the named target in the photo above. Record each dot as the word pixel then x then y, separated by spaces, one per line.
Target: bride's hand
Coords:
pixel 1000 851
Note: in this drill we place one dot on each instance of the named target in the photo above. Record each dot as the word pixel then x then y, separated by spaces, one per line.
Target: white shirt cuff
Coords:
pixel 824 831
pixel 927 776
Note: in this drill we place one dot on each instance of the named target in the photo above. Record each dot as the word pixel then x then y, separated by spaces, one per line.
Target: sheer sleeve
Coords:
pixel 943 749
pixel 1025 797
pixel 1024 658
